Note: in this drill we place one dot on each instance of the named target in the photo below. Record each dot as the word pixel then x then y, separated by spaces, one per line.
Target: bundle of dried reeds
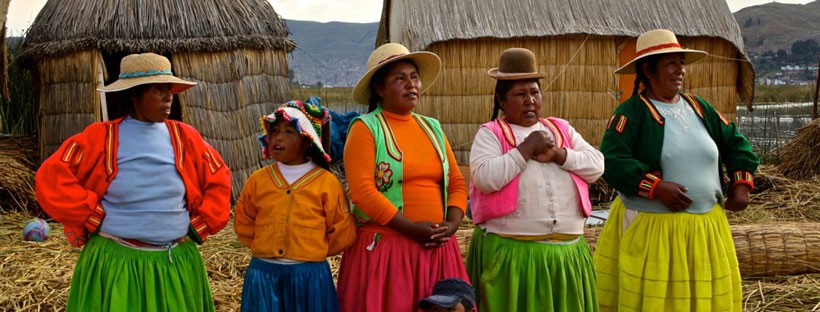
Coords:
pixel 17 174
pixel 773 249
pixel 801 156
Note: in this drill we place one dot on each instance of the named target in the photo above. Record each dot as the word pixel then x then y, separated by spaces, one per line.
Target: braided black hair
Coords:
pixel 640 76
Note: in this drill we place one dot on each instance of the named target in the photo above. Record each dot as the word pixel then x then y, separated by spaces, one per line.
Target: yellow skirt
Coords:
pixel 667 262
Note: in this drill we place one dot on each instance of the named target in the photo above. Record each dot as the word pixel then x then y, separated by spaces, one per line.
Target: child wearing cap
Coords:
pixel 451 294
pixel 293 214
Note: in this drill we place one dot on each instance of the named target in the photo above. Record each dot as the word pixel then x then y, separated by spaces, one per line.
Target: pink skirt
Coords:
pixel 396 274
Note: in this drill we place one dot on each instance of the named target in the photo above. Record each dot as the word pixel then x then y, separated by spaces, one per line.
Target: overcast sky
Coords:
pixel 22 12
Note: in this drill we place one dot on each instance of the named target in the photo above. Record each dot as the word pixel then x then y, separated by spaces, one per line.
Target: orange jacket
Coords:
pixel 71 183
pixel 308 220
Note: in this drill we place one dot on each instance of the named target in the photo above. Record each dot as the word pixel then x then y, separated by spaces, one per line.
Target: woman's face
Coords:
pixel 154 103
pixel 286 144
pixel 401 89
pixel 667 80
pixel 522 103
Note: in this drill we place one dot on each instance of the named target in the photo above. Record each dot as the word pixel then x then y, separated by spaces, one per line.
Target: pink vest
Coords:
pixel 486 206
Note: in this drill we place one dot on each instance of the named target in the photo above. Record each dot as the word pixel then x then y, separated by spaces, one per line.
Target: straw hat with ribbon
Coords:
pixel 659 41
pixel 516 64
pixel 146 68
pixel 312 121
pixel 427 63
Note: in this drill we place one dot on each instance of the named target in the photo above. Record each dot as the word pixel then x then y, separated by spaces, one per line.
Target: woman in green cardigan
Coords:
pixel 667 243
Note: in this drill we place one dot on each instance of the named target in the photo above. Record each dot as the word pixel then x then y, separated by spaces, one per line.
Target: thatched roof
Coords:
pixel 161 26
pixel 4 10
pixel 420 23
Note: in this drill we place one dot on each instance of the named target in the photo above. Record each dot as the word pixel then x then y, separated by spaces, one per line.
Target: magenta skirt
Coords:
pixel 396 274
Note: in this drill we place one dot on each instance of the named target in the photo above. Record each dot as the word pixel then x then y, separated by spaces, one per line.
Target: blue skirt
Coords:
pixel 306 286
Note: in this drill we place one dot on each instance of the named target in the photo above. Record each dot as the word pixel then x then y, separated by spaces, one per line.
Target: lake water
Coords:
pixel 773 124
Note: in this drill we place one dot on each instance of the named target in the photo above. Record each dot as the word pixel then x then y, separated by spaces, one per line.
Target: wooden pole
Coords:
pixel 816 89
pixel 100 83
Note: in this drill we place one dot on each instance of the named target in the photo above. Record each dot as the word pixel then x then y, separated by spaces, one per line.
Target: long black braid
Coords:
pixel 501 89
pixel 640 76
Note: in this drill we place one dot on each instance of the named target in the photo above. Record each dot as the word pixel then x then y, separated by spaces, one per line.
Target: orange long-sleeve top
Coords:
pixel 422 176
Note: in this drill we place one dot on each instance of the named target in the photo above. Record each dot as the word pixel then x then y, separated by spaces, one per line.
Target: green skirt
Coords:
pixel 514 275
pixel 112 277
pixel 667 262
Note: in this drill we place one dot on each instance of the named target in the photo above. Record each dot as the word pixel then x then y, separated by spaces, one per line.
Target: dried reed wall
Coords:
pixel 580 85
pixel 715 77
pixel 235 89
pixel 67 97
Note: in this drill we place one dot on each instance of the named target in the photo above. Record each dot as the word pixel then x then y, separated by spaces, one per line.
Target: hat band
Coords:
pixel 389 58
pixel 657 47
pixel 145 74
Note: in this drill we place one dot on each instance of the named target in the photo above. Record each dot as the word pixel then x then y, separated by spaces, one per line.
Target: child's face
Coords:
pixel 287 145
pixel 456 308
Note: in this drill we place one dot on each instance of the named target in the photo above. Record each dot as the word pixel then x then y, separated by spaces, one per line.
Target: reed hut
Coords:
pixel 579 44
pixel 235 49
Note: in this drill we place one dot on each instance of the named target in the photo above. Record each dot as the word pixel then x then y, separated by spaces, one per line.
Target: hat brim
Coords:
pixel 495 74
pixel 439 300
pixel 179 85
pixel 691 56
pixel 427 63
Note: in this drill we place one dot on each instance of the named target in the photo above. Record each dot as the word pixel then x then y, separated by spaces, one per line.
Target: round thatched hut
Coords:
pixel 579 44
pixel 235 49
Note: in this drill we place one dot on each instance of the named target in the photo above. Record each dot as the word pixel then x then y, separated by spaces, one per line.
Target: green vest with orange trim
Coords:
pixel 389 170
pixel 633 141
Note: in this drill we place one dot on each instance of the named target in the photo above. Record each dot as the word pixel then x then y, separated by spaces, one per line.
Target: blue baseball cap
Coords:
pixel 448 293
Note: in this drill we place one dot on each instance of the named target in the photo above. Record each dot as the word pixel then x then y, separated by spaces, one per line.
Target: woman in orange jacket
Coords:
pixel 135 191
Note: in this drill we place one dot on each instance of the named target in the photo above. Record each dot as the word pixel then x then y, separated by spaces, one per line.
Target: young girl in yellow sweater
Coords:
pixel 293 214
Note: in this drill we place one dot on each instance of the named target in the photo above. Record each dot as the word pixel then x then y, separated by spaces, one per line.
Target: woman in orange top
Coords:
pixel 408 217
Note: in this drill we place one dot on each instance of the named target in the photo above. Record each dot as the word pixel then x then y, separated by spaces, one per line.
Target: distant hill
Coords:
pixel 774 26
pixel 333 53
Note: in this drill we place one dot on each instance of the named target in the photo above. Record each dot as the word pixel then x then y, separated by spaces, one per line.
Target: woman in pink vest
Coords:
pixel 530 201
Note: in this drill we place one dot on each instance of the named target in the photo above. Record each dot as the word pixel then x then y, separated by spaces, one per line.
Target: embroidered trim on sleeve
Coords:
pixel 621 125
pixel 743 177
pixel 646 188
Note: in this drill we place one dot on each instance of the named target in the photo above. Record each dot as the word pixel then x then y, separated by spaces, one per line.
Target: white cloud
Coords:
pixel 356 11
pixel 21 14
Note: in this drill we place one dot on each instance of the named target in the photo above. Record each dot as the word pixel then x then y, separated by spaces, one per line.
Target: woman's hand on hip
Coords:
pixel 673 195
pixel 738 198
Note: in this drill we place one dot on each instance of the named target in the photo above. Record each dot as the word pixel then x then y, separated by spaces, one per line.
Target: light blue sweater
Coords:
pixel 689 157
pixel 146 199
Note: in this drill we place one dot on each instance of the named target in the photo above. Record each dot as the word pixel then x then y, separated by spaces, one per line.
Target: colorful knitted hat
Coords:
pixel 309 119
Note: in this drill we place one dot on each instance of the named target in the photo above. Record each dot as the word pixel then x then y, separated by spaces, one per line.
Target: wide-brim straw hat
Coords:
pixel 516 64
pixel 428 65
pixel 659 41
pixel 146 68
